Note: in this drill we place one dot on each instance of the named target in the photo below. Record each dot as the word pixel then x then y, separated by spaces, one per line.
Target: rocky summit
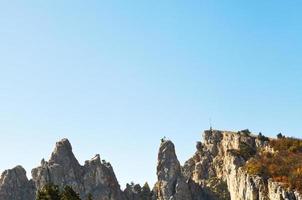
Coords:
pixel 217 171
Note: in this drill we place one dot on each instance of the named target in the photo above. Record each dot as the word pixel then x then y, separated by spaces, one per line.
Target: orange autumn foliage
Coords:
pixel 284 166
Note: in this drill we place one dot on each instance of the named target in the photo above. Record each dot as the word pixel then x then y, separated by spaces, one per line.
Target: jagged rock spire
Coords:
pixel 63 168
pixel 15 185
pixel 214 172
pixel 63 154
pixel 171 183
pixel 168 167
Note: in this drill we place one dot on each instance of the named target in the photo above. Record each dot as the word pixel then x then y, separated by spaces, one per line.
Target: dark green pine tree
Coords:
pixel 69 194
pixel 49 192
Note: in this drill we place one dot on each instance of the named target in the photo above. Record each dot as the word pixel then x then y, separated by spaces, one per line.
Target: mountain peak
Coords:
pixel 15 180
pixel 221 168
pixel 167 161
pixel 63 144
pixel 63 154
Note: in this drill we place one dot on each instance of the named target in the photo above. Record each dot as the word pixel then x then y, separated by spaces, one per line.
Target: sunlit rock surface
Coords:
pixel 214 172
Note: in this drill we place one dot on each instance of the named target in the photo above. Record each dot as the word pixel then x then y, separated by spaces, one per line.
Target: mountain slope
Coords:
pixel 218 170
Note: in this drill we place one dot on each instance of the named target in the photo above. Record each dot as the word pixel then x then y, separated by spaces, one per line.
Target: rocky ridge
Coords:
pixel 95 177
pixel 15 185
pixel 214 172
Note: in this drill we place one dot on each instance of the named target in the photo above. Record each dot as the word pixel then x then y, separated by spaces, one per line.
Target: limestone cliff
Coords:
pixel 218 159
pixel 14 185
pixel 95 177
pixel 171 183
pixel 215 172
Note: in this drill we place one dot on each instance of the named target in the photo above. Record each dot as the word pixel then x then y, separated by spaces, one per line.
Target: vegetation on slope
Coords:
pixel 245 151
pixel 284 165
pixel 52 192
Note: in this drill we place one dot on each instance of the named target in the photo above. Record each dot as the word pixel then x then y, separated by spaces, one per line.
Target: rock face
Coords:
pixel 216 160
pixel 214 172
pixel 171 183
pixel 136 192
pixel 62 168
pixel 95 177
pixel 15 185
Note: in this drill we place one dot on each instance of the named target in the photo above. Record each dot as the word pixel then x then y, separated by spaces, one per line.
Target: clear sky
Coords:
pixel 116 76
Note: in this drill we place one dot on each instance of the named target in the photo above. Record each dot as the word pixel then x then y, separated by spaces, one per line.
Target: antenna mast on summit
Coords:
pixel 210 122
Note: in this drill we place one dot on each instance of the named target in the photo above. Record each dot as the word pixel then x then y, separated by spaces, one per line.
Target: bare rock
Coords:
pixel 62 169
pixel 99 180
pixel 94 177
pixel 215 172
pixel 14 185
pixel 171 183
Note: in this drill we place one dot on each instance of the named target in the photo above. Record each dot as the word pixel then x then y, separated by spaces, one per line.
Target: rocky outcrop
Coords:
pixel 276 191
pixel 95 177
pixel 136 192
pixel 62 169
pixel 133 192
pixel 99 180
pixel 217 167
pixel 14 185
pixel 215 172
pixel 171 183
pixel 219 158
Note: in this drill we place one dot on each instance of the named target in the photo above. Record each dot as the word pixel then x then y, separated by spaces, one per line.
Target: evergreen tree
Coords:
pixel 280 136
pixel 69 194
pixel 48 192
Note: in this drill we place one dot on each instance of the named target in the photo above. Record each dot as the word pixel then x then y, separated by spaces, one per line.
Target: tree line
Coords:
pixel 53 192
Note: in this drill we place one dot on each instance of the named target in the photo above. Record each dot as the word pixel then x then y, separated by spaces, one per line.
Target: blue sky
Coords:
pixel 116 76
